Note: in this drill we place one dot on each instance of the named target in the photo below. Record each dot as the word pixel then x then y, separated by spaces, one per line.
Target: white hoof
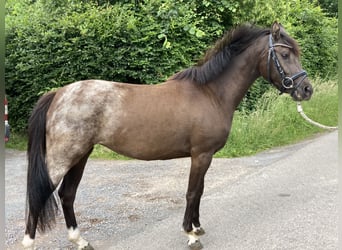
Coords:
pixel 27 242
pixel 88 247
pixel 198 230
pixel 75 237
pixel 194 242
pixel 195 245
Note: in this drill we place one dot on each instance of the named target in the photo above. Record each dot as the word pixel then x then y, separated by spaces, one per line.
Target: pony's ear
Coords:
pixel 276 31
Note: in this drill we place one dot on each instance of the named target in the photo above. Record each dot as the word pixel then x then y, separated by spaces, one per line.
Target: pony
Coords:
pixel 189 115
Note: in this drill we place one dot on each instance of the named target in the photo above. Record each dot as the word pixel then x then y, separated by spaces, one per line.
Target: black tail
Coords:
pixel 42 205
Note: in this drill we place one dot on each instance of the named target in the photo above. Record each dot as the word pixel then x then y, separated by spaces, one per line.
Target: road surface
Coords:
pixel 284 198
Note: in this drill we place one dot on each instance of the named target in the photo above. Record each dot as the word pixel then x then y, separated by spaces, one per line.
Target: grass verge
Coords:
pixel 276 122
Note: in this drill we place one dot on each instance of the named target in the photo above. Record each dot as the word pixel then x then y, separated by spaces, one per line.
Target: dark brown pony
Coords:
pixel 189 115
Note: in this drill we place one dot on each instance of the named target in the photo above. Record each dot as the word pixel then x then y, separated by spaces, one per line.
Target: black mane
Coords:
pixel 219 57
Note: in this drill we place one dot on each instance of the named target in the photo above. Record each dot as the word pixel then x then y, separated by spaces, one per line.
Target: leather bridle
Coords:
pixel 287 82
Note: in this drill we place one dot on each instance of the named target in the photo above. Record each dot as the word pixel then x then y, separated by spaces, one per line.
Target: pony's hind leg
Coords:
pixel 41 208
pixel 40 215
pixel 67 193
pixel 30 232
pixel 41 205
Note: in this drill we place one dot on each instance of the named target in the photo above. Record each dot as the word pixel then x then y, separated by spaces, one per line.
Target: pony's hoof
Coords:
pixel 87 247
pixel 197 245
pixel 199 231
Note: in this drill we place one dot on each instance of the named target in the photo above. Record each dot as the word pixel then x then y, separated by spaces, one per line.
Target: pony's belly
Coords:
pixel 151 149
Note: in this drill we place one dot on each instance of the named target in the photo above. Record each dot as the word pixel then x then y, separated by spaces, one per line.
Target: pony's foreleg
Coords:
pixel 193 235
pixel 67 193
pixel 191 224
pixel 197 229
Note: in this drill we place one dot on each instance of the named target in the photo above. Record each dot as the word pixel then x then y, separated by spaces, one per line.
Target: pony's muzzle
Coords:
pixel 303 93
pixel 308 91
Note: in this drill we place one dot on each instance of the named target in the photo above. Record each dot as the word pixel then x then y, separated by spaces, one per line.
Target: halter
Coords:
pixel 287 82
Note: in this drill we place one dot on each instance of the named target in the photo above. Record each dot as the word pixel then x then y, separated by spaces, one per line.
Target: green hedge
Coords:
pixel 50 43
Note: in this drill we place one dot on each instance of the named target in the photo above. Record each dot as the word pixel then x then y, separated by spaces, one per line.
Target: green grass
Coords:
pixel 276 122
pixel 17 141
pixel 101 152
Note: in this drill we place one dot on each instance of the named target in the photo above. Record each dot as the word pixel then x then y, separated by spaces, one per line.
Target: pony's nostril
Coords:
pixel 308 90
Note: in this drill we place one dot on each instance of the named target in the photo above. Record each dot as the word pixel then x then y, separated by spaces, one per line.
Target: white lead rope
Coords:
pixel 300 110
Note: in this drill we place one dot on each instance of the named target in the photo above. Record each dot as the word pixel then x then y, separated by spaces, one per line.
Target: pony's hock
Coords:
pixel 189 115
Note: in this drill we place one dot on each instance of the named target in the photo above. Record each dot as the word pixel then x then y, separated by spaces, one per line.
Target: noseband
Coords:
pixel 287 82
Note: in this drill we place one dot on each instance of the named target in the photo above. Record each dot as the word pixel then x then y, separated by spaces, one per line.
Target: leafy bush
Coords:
pixel 317 36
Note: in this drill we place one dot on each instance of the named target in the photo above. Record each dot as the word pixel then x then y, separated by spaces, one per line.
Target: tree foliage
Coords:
pixel 330 7
pixel 50 43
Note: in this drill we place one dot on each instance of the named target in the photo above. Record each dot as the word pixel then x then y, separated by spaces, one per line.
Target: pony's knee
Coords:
pixel 27 242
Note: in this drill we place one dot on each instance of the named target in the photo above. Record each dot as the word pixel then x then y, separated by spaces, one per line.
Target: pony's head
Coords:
pixel 282 67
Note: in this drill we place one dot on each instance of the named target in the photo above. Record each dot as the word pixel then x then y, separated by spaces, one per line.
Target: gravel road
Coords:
pixel 283 198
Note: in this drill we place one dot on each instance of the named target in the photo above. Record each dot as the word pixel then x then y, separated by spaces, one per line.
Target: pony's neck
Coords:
pixel 233 84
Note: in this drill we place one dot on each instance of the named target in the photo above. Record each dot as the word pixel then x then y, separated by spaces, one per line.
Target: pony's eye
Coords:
pixel 285 55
